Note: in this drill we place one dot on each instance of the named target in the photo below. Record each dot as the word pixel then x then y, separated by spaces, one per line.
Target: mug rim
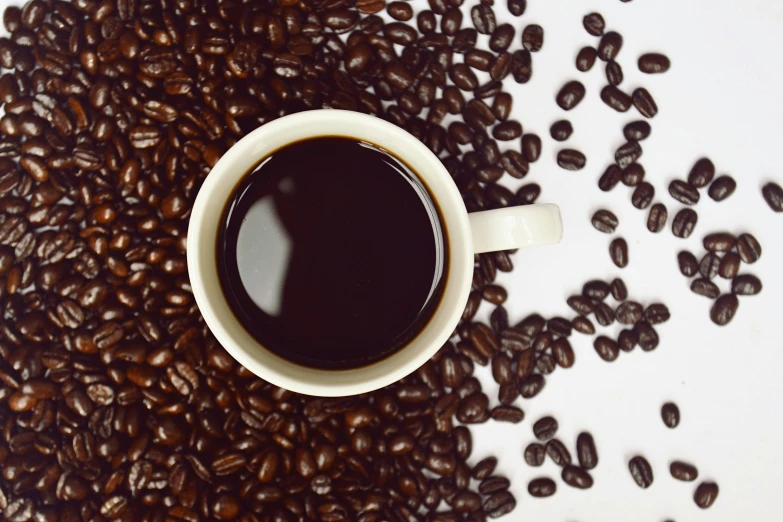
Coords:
pixel 202 237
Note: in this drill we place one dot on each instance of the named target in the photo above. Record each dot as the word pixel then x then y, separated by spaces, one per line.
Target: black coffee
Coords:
pixel 332 253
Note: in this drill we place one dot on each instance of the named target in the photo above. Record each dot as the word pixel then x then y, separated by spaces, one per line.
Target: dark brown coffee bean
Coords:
pixel 701 173
pixel 533 38
pixel 531 147
pixel 656 219
pixel 627 154
pixel 684 192
pixel 654 63
pixel 521 66
pixel 684 223
pixel 647 336
pixel 517 7
pixel 517 166
pixel 670 414
pixel 722 187
pixel 748 248
pixel 484 468
pixel 478 59
pixel 581 305
pixel 586 451
pixel 641 471
pixel 499 504
pixel 687 263
pixel 657 313
pixel 615 98
pixel 585 59
pixel 558 452
pixel 594 24
pixel 570 95
pixel 683 471
pixel 606 348
pixel 708 266
pixel 618 289
pixel 583 325
pixel 610 178
pixel 705 287
pixel 502 37
pixel 614 73
pixel 604 314
pixel 729 265
pixel 571 159
pixel 724 308
pixel 576 477
pixel 507 413
pixel 746 284
pixel 705 494
pixel 507 130
pixel 637 130
pixel 473 409
pixel 561 130
pixel 426 22
pixel 629 312
pixel 772 193
pixel 609 46
pixel 483 18
pixel 542 487
pixel 644 102
pixel 618 251
pixel 463 77
pixel 545 428
pixel 605 221
pixel 596 289
pixel 535 454
pixel 401 11
pixel 501 106
pixel 531 385
pixel 719 242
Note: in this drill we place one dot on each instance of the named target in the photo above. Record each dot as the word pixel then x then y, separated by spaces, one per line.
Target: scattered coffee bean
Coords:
pixel 596 289
pixel 647 336
pixel 644 102
pixel 558 452
pixel 618 251
pixel 545 428
pixel 657 313
pixel 531 147
pixel 483 18
pixel 729 265
pixel 641 471
pixel 722 187
pixel 670 414
pixel 507 413
pixel 708 266
pixel 687 263
pixel 654 63
pixel 594 24
pixel 684 222
pixel 542 487
pixel 533 38
pixel 627 340
pixel 606 348
pixel 746 284
pixel 577 477
pixel 701 173
pixel 604 314
pixel 616 99
pixel 656 219
pixel 561 130
pixel 586 451
pixel 570 159
pixel 637 130
pixel 628 153
pixel 585 59
pixel 633 175
pixel 610 178
pixel 583 325
pixel 629 312
pixel 570 95
pixel 517 7
pixel 773 195
pixel 719 242
pixel 705 494
pixel 705 287
pixel 605 221
pixel 610 46
pixel 748 248
pixel 535 454
pixel 724 308
pixel 642 195
pixel 683 192
pixel 683 471
pixel 614 73
pixel 581 305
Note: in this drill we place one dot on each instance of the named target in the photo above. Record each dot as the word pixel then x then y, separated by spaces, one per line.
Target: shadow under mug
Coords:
pixel 491 230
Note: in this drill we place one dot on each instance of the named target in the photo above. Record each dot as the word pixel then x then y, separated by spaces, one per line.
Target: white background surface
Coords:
pixel 722 98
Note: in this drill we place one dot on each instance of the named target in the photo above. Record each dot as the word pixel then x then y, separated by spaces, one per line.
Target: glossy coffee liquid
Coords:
pixel 332 253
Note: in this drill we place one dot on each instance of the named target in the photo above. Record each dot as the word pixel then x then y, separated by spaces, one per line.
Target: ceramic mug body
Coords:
pixel 495 231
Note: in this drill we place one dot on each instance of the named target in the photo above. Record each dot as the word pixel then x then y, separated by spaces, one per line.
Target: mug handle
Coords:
pixel 515 227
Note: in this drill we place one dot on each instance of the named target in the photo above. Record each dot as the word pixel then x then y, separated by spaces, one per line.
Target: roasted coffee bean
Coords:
pixel 610 178
pixel 708 266
pixel 463 77
pixel 644 102
pixel 517 166
pixel 501 106
pixel 531 147
pixel 683 192
pixel 533 38
pixel 618 251
pixel 604 314
pixel 517 7
pixel 687 263
pixel 656 219
pixel 606 348
pixel 583 325
pixel 483 18
pixel 545 428
pixel 748 248
pixel 580 304
pixel 683 471
pixel 705 494
pixel 627 154
pixel 570 159
pixel 596 289
pixel 684 223
pixel 722 187
pixel 535 454
pixel 531 386
pixel 507 413
pixel 724 308
pixel 478 59
pixel 451 21
pixel 499 504
pixel 641 471
pixel 521 66
pixel 609 46
pixel 542 487
pixel 705 287
pixel 585 59
pixel 401 11
pixel 594 24
pixel 576 477
pixel 561 130
pixel 629 313
pixel 701 173
pixel 570 95
pixel 657 313
pixel 558 452
pixel 670 414
pixel 615 98
pixel 605 221
pixel 484 468
pixel 618 289
pixel 637 130
pixel 633 175
pixel 647 336
pixel 718 242
pixel 502 37
pixel 507 130
pixel 654 63
pixel 585 451
pixel 772 193
pixel 729 265
pixel 746 284
pixel 627 340
pixel 614 73
pixel 426 22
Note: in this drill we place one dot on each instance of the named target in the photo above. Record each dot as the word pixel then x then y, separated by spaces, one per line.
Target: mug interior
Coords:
pixel 202 247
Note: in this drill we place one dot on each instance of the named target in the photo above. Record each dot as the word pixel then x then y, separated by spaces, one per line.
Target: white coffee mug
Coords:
pixel 491 230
